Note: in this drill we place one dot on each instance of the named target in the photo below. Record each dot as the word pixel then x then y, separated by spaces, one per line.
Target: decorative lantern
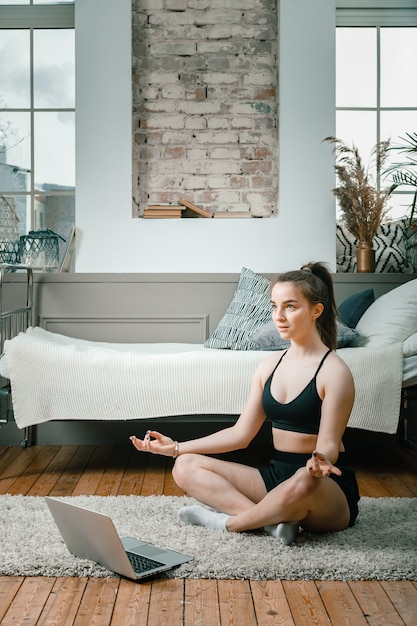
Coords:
pixel 9 230
pixel 40 249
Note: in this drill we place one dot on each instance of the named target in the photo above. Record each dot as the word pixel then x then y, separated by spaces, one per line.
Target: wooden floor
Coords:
pixel 383 467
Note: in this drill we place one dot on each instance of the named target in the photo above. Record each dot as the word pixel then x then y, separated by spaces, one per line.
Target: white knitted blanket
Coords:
pixel 377 373
pixel 54 377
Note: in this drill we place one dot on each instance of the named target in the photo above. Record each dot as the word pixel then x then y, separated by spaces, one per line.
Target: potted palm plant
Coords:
pixel 362 204
pixel 404 174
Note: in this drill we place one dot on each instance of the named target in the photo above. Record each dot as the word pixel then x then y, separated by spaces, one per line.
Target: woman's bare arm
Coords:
pixel 229 439
pixel 336 382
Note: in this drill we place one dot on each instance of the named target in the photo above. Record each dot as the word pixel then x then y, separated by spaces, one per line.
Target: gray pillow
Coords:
pixel 268 338
pixel 249 309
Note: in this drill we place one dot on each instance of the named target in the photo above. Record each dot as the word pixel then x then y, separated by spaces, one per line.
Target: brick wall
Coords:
pixel 205 104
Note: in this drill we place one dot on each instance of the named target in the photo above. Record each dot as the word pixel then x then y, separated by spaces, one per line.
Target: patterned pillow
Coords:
pixel 345 249
pixel 249 309
pixel 411 246
pixel 389 244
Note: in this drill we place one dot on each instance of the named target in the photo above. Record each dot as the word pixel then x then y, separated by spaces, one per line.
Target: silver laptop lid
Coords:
pixel 91 535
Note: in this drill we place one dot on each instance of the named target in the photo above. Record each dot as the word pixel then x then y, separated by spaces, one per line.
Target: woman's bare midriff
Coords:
pixel 289 441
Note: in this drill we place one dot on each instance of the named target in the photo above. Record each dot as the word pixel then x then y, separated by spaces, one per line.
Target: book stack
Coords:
pixel 165 211
pixel 185 208
pixel 193 210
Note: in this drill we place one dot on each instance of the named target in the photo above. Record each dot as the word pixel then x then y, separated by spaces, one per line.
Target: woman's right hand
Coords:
pixel 155 443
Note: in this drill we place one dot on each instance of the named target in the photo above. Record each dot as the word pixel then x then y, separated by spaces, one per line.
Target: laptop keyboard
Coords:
pixel 142 564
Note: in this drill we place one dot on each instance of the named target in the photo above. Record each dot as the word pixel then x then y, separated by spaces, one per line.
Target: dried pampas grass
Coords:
pixel 363 206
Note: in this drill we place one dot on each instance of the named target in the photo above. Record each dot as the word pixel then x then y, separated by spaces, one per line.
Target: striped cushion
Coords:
pixel 389 244
pixel 249 309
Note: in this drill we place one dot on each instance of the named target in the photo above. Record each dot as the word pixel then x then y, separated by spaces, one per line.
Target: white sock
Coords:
pixel 286 532
pixel 200 516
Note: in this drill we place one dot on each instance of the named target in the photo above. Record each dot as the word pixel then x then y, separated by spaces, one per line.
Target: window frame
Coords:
pixel 37 16
pixel 32 17
pixel 377 14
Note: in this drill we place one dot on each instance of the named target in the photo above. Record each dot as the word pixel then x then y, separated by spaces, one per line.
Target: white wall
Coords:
pixel 110 240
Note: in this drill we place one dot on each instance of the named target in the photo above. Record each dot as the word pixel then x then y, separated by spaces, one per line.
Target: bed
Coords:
pixel 57 377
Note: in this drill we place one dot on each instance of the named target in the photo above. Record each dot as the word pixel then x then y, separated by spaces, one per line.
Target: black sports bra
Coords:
pixel 301 415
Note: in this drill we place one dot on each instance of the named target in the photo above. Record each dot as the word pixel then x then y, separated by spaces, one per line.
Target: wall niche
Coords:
pixel 205 107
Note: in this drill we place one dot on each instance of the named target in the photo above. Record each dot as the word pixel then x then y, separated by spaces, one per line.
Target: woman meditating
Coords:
pixel 307 393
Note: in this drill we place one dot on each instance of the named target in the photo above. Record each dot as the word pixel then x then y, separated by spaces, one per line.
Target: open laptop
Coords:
pixel 93 536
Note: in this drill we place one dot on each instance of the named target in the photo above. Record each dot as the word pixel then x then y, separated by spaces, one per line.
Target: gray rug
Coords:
pixel 381 546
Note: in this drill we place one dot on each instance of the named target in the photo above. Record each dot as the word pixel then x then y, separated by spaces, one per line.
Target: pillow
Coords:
pixel 410 345
pixel 345 249
pixel 249 309
pixel 390 249
pixel 353 307
pixel 390 319
pixel 268 338
pixel 345 334
pixel 411 245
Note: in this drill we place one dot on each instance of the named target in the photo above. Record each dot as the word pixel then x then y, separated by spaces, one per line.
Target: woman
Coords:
pixel 307 392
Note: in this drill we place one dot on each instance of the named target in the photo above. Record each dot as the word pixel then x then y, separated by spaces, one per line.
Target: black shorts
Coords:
pixel 283 465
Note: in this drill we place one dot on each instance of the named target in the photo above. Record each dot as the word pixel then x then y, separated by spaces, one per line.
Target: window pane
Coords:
pixel 395 124
pixel 56 212
pixel 14 151
pixel 54 149
pixel 398 67
pixel 399 204
pixel 356 67
pixel 14 2
pixel 54 68
pixel 23 210
pixel 15 69
pixel 359 128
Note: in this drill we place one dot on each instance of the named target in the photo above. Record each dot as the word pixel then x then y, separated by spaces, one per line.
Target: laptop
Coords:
pixel 93 536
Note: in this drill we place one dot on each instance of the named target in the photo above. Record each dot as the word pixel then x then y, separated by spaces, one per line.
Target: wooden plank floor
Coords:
pixel 383 467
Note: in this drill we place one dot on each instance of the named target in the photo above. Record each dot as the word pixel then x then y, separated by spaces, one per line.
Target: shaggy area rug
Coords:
pixel 381 546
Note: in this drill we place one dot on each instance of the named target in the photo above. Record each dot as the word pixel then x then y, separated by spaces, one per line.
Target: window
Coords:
pixel 37 113
pixel 376 94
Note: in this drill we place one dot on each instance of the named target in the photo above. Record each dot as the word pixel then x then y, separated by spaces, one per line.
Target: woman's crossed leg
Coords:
pixel 241 501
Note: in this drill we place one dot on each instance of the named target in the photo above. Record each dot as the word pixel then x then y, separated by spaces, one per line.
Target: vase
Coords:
pixel 365 257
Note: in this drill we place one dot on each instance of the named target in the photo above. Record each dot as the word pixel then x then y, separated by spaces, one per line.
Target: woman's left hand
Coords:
pixel 318 466
pixel 155 443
